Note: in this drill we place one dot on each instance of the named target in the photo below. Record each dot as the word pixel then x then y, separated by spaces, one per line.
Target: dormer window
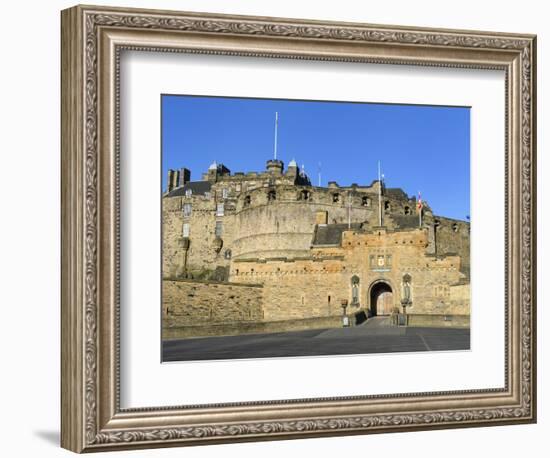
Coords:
pixel 188 192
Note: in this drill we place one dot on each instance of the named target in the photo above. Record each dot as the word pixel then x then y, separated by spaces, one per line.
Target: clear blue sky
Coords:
pixel 421 148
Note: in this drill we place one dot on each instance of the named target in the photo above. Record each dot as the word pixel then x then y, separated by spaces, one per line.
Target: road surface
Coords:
pixel 375 337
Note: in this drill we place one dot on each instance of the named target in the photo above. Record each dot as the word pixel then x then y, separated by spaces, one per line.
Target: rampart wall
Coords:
pixel 193 303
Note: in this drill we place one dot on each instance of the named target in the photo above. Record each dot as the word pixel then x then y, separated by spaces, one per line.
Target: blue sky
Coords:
pixel 421 148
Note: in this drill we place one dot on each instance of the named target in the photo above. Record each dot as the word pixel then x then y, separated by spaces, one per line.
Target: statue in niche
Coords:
pixel 355 290
pixel 406 289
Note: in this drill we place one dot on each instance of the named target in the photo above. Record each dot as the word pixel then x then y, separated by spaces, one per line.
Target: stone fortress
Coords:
pixel 269 251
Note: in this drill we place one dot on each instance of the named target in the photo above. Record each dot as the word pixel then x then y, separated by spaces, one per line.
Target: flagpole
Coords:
pixel 379 197
pixel 276 125
pixel 419 205
pixel 349 209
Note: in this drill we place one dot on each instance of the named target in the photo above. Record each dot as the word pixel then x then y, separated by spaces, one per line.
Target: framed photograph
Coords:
pixel 278 228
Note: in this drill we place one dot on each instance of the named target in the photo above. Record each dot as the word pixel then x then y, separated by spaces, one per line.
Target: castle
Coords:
pixel 260 251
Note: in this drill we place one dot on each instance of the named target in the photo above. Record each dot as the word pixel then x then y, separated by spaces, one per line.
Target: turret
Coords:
pixel 216 170
pixel 292 169
pixel 275 166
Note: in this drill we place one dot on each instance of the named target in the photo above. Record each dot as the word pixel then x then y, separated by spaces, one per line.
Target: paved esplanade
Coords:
pixel 374 338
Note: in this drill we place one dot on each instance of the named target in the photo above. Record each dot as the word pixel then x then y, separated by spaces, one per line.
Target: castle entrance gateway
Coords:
pixel 381 298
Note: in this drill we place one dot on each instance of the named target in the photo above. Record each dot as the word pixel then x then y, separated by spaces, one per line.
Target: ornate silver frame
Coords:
pixel 92 38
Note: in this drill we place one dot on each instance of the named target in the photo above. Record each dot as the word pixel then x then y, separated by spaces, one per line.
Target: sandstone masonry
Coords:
pixel 272 247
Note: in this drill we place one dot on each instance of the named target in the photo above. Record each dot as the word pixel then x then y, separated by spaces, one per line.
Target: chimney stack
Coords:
pixel 184 177
pixel 171 180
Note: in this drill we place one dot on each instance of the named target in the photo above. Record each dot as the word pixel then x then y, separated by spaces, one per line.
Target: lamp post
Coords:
pixel 345 318
pixel 406 301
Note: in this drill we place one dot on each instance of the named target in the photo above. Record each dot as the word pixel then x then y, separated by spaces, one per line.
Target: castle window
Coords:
pixel 455 227
pixel 336 197
pixel 387 206
pixel 247 201
pixel 365 201
pixel 186 230
pixel 219 229
pixel 305 194
pixel 227 254
pixel 188 192
pixel 186 210
pixel 207 194
pixel 238 187
pixel 225 193
pixel 220 209
pixel 271 195
pixel 407 210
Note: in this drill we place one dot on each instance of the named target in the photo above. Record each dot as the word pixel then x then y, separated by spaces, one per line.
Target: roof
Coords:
pixel 331 234
pixel 196 187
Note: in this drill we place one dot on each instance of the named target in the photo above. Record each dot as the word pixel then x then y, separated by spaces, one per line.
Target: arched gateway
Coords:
pixel 381 298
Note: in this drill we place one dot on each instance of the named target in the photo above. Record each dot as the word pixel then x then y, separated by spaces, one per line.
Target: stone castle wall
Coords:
pixel 201 251
pixel 263 228
pixel 316 286
pixel 285 226
pixel 296 289
pixel 453 236
pixel 193 303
